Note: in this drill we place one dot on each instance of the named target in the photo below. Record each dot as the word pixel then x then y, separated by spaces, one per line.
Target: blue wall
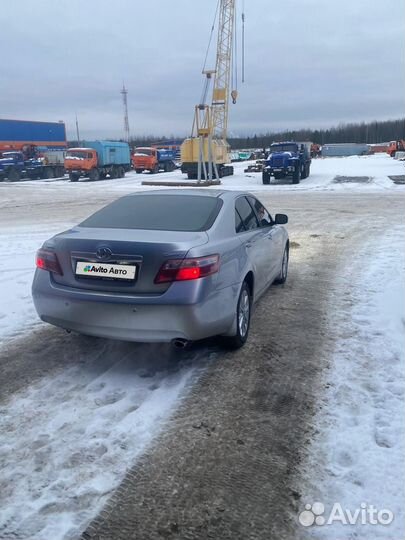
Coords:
pixel 21 131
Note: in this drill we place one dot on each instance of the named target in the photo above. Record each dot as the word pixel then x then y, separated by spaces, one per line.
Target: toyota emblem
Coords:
pixel 103 253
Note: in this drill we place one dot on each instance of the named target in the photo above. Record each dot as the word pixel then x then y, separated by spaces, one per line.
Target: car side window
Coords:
pixel 239 227
pixel 264 217
pixel 247 214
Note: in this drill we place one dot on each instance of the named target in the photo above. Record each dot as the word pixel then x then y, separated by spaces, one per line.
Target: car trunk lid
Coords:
pixel 145 250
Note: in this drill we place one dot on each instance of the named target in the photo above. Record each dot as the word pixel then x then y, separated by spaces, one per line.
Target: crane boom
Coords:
pixel 220 95
pixel 205 154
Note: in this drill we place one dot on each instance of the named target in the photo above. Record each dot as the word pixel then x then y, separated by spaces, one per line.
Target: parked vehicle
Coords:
pixel 163 266
pixel 33 149
pixel 395 146
pixel 315 150
pixel 242 155
pixel 12 166
pixel 344 149
pixel 48 163
pixel 288 159
pixel 148 158
pixel 97 160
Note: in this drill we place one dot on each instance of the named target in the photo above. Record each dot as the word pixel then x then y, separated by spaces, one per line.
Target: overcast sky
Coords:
pixel 309 63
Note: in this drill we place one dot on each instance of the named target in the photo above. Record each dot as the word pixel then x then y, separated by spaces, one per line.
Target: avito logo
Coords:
pixel 103 270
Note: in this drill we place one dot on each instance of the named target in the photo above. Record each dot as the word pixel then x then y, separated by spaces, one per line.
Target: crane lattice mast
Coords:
pixel 205 155
pixel 220 96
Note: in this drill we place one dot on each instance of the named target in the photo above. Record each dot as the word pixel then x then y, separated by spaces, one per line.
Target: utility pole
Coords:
pixel 77 131
pixel 124 93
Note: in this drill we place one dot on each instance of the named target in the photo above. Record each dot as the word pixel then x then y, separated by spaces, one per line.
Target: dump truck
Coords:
pixel 288 159
pixel 33 149
pixel 148 158
pixel 98 159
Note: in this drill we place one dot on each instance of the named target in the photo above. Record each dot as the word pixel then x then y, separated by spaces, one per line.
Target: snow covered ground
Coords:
pixel 376 168
pixel 358 460
pixel 16 310
pixel 68 440
pixel 71 436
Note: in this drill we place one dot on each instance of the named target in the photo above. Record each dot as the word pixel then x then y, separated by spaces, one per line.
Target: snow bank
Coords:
pixel 359 456
pixel 17 312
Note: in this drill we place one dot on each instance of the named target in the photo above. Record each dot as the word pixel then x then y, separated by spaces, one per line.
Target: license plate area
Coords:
pixel 110 271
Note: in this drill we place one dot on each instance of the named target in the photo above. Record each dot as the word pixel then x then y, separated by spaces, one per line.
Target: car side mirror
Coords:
pixel 280 219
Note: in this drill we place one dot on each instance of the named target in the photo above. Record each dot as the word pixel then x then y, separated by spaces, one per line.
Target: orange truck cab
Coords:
pixel 83 159
pixel 395 146
pixel 97 160
pixel 148 158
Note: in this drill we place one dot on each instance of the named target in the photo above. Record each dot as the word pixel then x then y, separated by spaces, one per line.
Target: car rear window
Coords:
pixel 158 212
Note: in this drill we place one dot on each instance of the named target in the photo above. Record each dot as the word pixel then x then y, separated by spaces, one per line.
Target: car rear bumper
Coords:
pixel 138 320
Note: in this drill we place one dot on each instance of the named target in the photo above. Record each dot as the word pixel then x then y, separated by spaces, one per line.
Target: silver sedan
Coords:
pixel 160 266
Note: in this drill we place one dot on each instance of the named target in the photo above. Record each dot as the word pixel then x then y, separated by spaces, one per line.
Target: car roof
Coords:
pixel 201 192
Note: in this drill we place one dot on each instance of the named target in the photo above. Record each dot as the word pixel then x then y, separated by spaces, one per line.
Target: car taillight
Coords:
pixel 47 260
pixel 187 269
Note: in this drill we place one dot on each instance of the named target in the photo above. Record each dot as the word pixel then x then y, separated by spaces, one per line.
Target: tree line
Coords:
pixel 369 133
pixel 364 132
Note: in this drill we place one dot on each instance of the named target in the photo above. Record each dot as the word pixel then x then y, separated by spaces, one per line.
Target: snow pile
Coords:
pixel 359 458
pixel 17 269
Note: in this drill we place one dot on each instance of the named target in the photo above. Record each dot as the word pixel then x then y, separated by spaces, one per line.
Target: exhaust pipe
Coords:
pixel 179 343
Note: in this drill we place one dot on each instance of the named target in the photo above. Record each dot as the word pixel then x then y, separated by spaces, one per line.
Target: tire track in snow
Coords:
pixel 69 438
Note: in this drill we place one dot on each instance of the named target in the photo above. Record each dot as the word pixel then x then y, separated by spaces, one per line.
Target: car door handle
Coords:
pixel 248 244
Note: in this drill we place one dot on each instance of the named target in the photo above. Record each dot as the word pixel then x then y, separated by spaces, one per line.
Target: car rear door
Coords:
pixel 252 237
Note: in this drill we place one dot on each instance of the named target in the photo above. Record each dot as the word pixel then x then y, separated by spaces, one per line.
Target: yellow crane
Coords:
pixel 205 154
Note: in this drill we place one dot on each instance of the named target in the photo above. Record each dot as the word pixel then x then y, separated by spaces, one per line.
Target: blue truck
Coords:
pixel 97 160
pixel 12 166
pixel 288 160
pixel 31 149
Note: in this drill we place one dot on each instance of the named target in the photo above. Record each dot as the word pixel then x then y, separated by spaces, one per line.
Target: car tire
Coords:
pixel 243 314
pixel 282 277
pixel 73 177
